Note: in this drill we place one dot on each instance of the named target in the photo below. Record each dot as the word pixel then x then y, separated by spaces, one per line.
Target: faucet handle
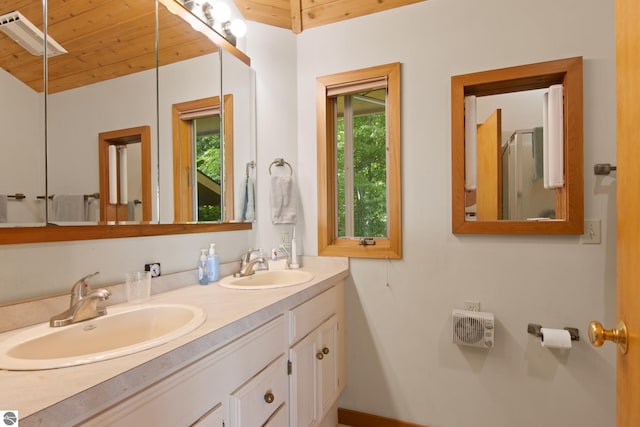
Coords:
pixel 80 289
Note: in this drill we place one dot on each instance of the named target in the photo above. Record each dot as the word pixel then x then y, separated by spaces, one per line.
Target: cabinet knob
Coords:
pixel 319 355
pixel 325 350
pixel 269 397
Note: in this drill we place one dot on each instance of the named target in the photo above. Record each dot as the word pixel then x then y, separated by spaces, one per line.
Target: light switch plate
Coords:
pixel 591 232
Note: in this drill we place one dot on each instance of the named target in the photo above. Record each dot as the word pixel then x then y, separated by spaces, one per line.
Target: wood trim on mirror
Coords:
pixel 569 199
pixel 65 233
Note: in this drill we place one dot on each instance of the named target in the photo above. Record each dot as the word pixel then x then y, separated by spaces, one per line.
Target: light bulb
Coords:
pixel 238 28
pixel 220 11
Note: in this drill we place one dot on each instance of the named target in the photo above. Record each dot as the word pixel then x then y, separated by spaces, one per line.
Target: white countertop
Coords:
pixel 53 397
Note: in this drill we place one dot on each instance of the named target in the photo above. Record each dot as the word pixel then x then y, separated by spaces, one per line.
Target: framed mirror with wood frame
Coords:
pixel 490 171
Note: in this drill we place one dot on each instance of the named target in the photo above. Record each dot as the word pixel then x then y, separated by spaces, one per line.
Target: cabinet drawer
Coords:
pixel 254 402
pixel 309 315
pixel 185 396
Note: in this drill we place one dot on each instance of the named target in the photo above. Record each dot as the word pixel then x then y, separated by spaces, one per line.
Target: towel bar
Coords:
pixel 86 196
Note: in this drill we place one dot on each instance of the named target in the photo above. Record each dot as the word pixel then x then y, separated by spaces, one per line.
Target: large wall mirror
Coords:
pixel 89 147
pixel 517 150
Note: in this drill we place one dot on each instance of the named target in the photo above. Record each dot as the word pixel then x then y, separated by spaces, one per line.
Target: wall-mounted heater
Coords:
pixel 473 328
pixel 27 35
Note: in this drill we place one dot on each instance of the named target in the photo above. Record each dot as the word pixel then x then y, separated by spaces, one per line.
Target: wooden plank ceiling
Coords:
pixel 105 39
pixel 299 15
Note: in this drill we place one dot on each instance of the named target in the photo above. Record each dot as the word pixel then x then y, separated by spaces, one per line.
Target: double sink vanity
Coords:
pixel 243 354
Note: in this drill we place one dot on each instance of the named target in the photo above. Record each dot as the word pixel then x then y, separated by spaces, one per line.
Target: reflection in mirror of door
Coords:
pixel 562 122
pixel 509 170
pixel 124 166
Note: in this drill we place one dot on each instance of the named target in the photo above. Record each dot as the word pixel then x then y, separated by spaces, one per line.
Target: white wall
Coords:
pixel 21 139
pixel 401 362
pixel 273 56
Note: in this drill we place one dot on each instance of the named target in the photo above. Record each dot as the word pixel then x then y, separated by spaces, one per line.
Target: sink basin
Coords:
pixel 123 330
pixel 267 279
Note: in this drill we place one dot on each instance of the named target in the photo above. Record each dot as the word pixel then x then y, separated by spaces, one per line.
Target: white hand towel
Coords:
pixel 283 200
pixel 68 208
pixel 3 207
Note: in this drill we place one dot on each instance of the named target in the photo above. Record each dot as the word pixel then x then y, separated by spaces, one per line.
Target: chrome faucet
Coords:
pixel 83 305
pixel 246 257
pixel 247 269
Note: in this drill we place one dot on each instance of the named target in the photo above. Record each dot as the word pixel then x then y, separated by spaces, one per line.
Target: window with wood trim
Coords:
pixel 359 180
pixel 202 160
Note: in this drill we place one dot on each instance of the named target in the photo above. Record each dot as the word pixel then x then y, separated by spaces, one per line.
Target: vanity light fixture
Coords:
pixel 27 35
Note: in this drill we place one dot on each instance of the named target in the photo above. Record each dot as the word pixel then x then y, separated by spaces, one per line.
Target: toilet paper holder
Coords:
pixel 536 330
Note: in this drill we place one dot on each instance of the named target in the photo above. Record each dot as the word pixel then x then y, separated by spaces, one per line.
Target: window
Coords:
pixel 359 185
pixel 202 163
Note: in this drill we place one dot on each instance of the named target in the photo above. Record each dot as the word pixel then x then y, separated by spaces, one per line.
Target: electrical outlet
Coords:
pixel 472 305
pixel 154 268
pixel 591 232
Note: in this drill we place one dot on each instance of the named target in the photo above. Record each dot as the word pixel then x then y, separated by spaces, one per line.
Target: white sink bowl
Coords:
pixel 123 330
pixel 267 279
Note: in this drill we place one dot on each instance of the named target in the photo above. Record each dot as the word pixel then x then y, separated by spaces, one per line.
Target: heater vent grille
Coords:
pixel 473 328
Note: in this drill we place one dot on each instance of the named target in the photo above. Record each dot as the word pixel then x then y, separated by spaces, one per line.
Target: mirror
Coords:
pixel 97 91
pixel 22 144
pixel 499 115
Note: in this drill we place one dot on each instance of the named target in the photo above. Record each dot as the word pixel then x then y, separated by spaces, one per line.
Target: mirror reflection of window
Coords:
pixel 361 140
pixel 208 161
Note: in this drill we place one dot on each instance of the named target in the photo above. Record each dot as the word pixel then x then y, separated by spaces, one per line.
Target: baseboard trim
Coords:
pixel 361 419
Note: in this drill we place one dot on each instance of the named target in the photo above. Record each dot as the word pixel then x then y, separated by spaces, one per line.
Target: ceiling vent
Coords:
pixel 27 35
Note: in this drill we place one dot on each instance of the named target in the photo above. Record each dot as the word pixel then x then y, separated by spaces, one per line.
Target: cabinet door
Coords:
pixel 314 374
pixel 302 382
pixel 327 361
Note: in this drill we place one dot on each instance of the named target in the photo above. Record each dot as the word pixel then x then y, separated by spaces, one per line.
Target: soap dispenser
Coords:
pixel 213 265
pixel 203 277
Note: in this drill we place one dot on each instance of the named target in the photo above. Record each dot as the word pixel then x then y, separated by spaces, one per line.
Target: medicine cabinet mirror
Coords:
pixel 516 143
pixel 111 79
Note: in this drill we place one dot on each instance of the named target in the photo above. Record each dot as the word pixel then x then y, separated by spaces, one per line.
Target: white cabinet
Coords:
pixel 255 402
pixel 202 393
pixel 287 372
pixel 213 418
pixel 316 356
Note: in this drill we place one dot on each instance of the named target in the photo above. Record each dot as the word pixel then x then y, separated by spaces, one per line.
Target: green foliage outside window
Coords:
pixel 370 176
pixel 208 155
pixel 208 162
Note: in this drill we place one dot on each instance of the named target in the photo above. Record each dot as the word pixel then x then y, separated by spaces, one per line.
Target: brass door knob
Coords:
pixel 269 397
pixel 598 335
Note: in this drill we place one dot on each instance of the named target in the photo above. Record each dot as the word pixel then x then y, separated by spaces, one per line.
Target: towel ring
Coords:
pixel 280 163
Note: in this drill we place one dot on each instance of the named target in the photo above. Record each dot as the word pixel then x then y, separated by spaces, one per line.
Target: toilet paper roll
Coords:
pixel 555 338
